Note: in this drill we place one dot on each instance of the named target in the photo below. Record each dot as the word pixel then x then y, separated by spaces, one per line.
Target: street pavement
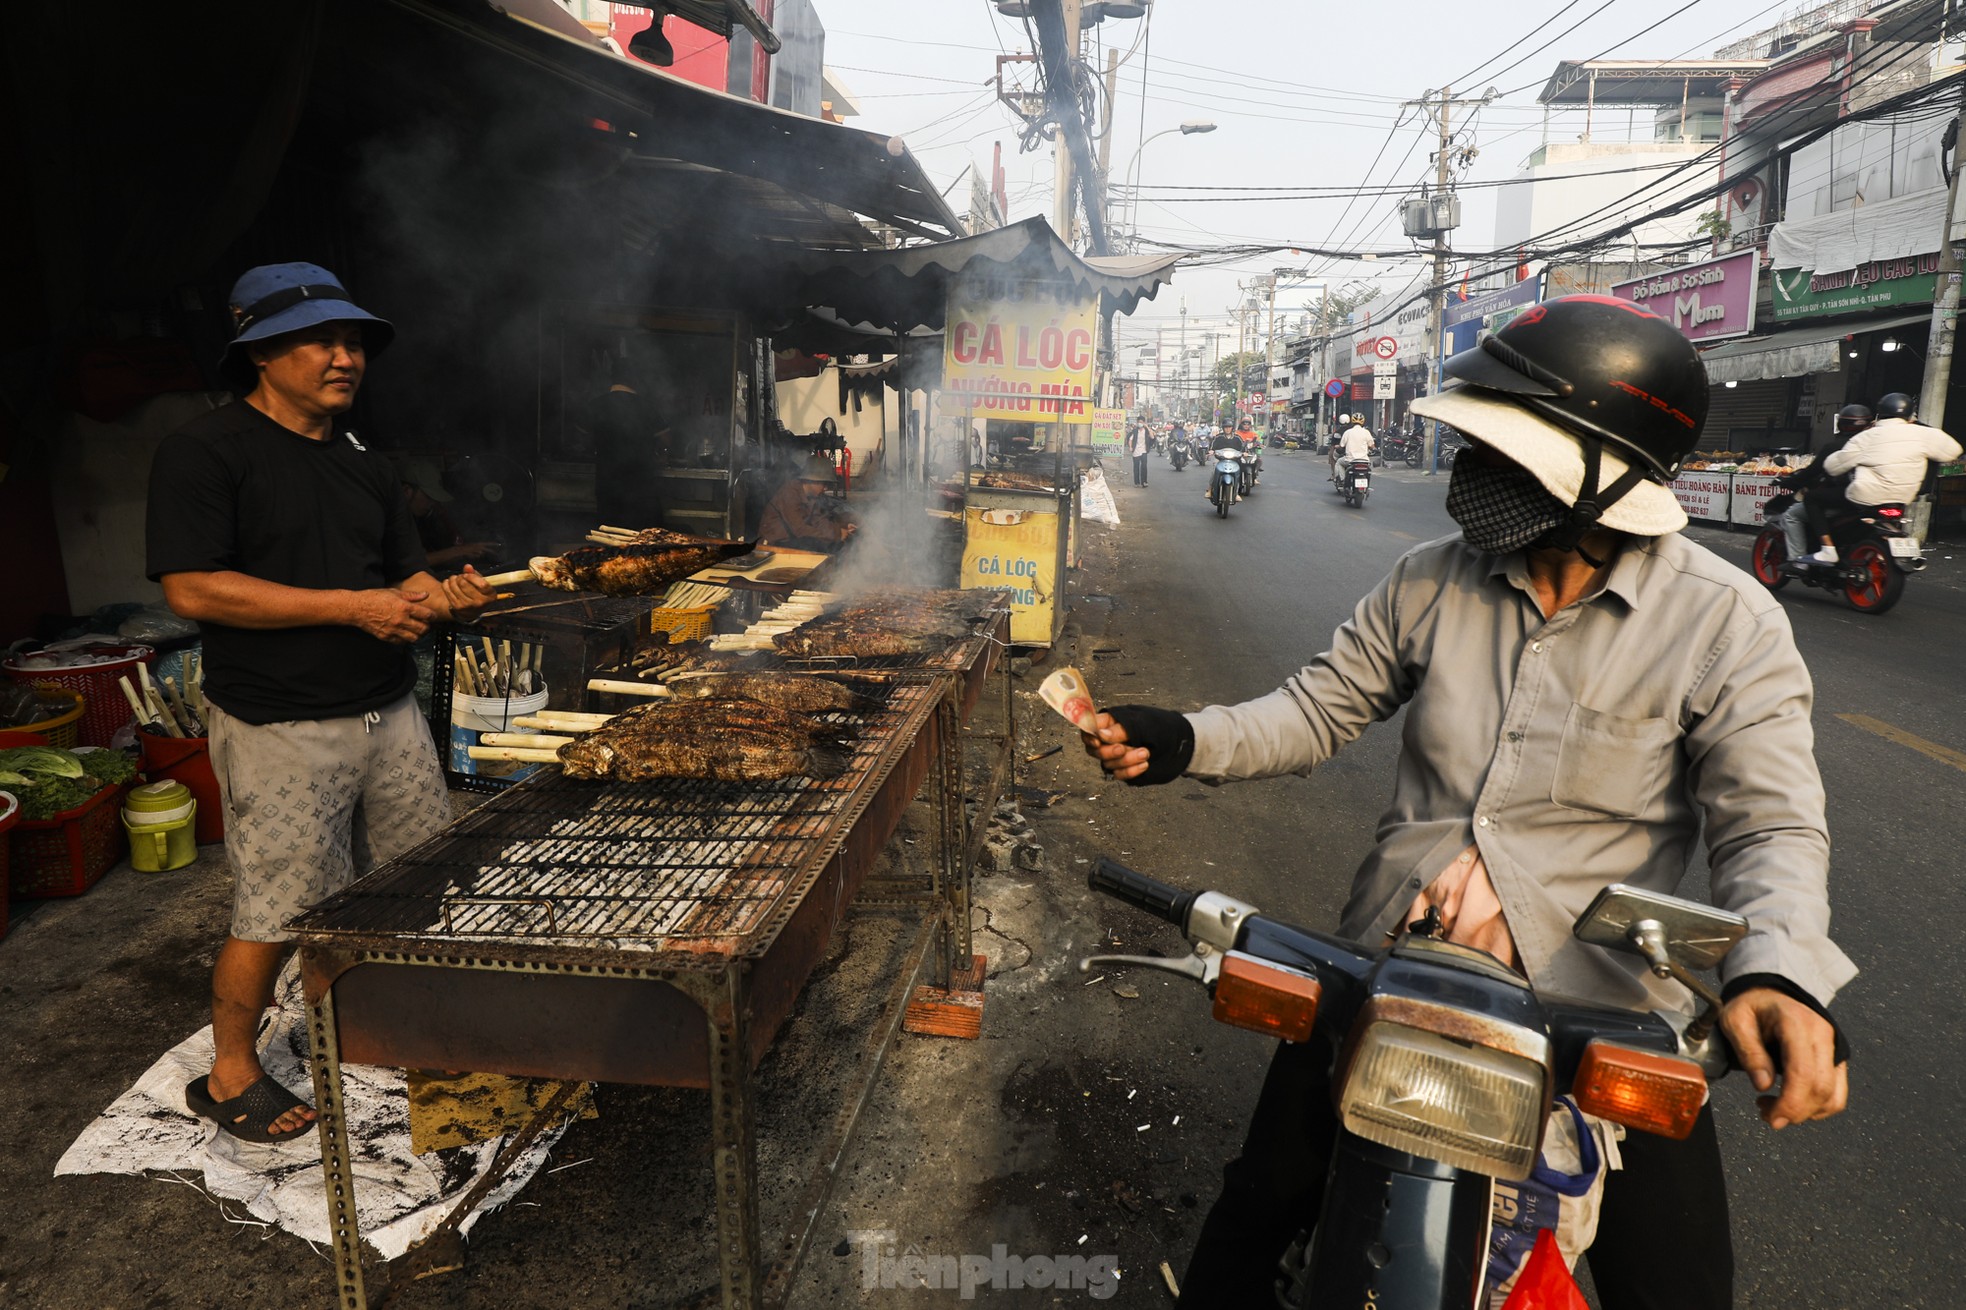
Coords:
pixel 1059 1126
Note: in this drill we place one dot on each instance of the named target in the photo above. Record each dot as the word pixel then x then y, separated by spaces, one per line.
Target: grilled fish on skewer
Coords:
pixel 884 622
pixel 642 568
pixel 801 692
pixel 720 739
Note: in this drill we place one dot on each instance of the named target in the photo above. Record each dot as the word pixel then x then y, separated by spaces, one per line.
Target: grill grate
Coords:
pixel 672 865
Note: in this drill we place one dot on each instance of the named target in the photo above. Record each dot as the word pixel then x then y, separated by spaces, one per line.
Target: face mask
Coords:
pixel 1501 507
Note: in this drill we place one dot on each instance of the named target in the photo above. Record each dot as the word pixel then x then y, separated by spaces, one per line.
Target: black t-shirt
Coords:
pixel 233 491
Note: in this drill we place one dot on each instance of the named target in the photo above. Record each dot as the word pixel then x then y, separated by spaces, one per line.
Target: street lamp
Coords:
pixel 1193 127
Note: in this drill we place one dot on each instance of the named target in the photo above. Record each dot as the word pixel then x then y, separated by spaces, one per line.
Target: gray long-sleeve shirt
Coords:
pixel 1576 752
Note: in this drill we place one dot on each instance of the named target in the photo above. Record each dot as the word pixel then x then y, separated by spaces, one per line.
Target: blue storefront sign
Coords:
pixel 1463 321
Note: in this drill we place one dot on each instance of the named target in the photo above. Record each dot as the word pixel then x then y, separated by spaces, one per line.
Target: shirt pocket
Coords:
pixel 1611 765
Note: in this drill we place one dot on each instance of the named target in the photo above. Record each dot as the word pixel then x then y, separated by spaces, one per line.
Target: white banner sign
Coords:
pixel 1704 495
pixel 1751 492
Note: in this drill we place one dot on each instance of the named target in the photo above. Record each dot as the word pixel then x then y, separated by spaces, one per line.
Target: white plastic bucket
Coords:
pixel 473 715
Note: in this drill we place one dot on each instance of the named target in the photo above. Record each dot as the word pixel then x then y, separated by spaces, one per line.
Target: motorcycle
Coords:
pixel 1177 452
pixel 1448 1066
pixel 1224 487
pixel 1400 446
pixel 1355 479
pixel 1874 552
pixel 1252 467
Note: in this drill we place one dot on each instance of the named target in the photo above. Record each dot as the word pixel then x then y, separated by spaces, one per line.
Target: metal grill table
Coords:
pixel 652 933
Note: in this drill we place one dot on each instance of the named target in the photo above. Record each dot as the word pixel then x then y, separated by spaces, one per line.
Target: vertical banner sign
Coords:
pixel 1108 433
pixel 1019 350
pixel 1017 549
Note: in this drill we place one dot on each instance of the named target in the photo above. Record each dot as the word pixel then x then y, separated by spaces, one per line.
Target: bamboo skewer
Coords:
pixel 521 739
pixel 561 722
pixel 513 754
pixel 628 688
pixel 130 694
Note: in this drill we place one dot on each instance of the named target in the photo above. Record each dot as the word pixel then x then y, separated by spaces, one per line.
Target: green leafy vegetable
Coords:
pixel 41 761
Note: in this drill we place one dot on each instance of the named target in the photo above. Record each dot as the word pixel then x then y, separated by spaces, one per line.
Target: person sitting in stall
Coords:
pixel 443 542
pixel 631 448
pixel 804 515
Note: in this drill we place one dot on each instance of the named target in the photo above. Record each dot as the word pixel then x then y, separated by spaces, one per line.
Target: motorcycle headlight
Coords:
pixel 1422 1079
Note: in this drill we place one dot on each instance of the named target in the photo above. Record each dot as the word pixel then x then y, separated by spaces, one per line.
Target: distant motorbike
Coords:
pixel 1450 1063
pixel 1224 487
pixel 1355 480
pixel 1874 552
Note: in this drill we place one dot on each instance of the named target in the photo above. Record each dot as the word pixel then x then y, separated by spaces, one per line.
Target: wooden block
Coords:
pixel 940 1012
pixel 970 979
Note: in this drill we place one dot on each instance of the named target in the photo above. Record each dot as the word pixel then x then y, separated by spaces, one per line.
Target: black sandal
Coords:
pixel 250 1115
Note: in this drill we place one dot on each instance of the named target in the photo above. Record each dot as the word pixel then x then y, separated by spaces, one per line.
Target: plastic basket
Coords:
pixel 683 625
pixel 104 709
pixel 64 730
pixel 68 854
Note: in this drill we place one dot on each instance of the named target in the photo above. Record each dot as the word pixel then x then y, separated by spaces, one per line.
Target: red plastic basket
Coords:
pixel 105 709
pixel 66 855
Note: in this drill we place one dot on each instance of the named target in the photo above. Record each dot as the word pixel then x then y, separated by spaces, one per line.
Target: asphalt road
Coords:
pixel 1858 1212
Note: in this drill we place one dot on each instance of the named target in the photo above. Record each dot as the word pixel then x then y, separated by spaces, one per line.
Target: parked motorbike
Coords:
pixel 1226 484
pixel 1400 447
pixel 1874 552
pixel 1447 1066
pixel 1355 479
pixel 1177 452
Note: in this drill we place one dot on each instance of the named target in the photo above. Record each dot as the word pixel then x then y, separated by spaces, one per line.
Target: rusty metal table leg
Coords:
pixel 952 864
pixel 337 1171
pixel 733 1140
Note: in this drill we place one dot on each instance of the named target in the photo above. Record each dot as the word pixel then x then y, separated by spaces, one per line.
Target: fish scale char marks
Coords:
pixel 641 569
pixel 718 739
pixel 893 621
pixel 800 692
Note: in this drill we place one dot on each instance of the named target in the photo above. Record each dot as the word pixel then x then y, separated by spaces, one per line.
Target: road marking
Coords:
pixel 1943 754
pixel 1403 536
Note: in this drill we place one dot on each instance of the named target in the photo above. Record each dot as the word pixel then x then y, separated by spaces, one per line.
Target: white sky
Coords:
pixel 1302 94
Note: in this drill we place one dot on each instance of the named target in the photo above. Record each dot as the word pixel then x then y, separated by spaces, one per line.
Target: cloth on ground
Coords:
pixel 399 1197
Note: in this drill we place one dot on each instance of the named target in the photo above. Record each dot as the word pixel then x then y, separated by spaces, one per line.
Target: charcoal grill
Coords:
pixel 654 933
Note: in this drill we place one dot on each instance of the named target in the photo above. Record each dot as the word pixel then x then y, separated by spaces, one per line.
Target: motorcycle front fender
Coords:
pixel 1396 1232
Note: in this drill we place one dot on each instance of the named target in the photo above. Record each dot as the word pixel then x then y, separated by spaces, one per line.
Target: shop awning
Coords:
pixel 674 122
pixel 908 287
pixel 1900 227
pixel 1792 353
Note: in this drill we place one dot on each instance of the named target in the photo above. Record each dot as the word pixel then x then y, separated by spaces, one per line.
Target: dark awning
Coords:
pixel 908 287
pixel 673 122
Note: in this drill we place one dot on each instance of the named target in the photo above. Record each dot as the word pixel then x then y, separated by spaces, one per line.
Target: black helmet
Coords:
pixel 1896 405
pixel 1853 418
pixel 1599 367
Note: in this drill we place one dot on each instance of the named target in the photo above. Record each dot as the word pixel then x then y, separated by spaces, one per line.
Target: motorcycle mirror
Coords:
pixel 1631 919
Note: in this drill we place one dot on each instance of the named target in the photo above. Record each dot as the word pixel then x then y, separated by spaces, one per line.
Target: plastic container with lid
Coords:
pixel 160 818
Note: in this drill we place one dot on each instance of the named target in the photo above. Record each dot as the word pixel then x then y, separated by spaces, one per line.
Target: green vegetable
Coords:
pixel 113 767
pixel 41 761
pixel 14 779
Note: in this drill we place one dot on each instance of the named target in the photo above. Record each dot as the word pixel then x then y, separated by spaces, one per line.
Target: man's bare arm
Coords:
pixel 239 600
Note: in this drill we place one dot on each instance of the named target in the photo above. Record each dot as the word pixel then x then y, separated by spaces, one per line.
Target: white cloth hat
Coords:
pixel 1554 456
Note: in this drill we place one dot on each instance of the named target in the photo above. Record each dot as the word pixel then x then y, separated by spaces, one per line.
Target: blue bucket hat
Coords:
pixel 278 298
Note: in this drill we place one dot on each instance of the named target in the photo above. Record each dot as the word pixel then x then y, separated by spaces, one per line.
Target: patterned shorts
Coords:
pixel 311 804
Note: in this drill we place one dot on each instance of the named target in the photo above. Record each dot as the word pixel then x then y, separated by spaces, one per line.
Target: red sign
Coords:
pixel 1385 347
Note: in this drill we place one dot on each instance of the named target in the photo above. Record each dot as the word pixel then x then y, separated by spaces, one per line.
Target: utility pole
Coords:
pixel 1242 322
pixel 1945 301
pixel 1437 298
pixel 1184 350
pixel 1064 206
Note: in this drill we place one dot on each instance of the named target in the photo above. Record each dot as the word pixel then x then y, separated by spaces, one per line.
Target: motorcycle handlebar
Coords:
pixel 1157 898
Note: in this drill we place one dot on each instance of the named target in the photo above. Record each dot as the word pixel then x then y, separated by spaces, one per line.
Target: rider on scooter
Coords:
pixel 1252 446
pixel 1355 442
pixel 1850 420
pixel 1588 693
pixel 1886 467
pixel 1224 439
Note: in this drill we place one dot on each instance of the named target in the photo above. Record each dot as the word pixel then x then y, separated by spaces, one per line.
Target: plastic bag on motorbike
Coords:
pixel 1562 1197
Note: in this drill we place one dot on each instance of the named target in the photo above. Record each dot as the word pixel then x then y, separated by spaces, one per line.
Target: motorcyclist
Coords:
pixel 1223 440
pixel 1252 446
pixel 1355 442
pixel 1886 465
pixel 1587 693
pixel 1850 420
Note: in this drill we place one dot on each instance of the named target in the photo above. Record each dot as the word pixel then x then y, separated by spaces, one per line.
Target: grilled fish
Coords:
pixel 801 692
pixel 720 739
pixel 891 621
pixel 643 569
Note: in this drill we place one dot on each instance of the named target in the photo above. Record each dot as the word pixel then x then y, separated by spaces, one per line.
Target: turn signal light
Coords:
pixel 1641 1089
pixel 1890 512
pixel 1266 998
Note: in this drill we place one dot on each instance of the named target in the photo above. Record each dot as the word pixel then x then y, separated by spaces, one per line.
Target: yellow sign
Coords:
pixel 1018 549
pixel 1019 350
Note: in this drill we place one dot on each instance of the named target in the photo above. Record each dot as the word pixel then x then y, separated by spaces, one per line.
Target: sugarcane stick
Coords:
pixel 620 688
pixel 524 740
pixel 565 716
pixel 130 694
pixel 163 712
pixel 177 705
pixel 559 724
pixel 512 753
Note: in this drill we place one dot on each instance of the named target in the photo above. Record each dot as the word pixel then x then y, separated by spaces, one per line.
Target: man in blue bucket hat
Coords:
pixel 291 544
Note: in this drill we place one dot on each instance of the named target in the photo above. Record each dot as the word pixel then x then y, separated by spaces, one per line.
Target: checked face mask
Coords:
pixel 1501 507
